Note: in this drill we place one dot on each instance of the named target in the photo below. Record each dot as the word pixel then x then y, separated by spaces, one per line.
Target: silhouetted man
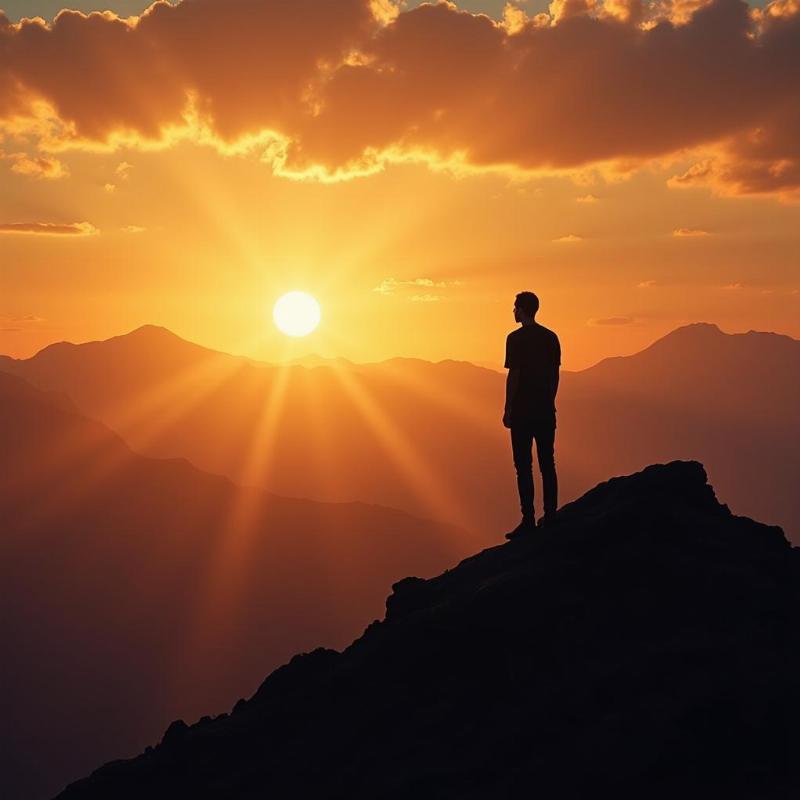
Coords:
pixel 533 357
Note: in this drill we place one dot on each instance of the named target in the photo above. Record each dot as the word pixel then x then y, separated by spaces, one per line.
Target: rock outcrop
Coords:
pixel 645 647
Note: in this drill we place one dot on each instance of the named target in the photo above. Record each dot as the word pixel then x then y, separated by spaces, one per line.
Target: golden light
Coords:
pixel 296 313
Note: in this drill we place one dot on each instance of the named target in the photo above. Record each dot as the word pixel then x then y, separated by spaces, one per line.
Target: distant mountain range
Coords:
pixel 427 437
pixel 728 400
pixel 136 590
pixel 647 647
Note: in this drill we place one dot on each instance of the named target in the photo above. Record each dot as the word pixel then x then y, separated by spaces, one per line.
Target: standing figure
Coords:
pixel 533 358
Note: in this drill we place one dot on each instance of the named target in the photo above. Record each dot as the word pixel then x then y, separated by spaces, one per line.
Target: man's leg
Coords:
pixel 545 454
pixel 521 444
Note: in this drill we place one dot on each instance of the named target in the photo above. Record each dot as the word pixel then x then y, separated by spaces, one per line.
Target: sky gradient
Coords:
pixel 636 166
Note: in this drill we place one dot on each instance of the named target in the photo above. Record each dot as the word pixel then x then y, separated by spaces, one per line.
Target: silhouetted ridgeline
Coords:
pixel 727 400
pixel 649 647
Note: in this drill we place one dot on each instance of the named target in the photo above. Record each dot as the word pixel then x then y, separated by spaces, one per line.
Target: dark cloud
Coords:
pixel 329 88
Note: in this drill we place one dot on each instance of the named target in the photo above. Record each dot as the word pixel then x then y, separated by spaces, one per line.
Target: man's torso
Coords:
pixel 536 352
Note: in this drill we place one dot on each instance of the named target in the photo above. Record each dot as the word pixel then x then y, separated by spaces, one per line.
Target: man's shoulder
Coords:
pixel 546 332
pixel 532 333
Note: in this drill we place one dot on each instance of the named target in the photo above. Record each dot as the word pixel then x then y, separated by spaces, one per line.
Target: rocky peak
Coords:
pixel 646 646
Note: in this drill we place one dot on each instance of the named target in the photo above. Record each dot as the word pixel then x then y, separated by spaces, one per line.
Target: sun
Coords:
pixel 296 313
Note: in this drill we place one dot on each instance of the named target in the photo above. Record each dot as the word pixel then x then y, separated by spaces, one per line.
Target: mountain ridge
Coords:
pixel 693 334
pixel 312 360
pixel 728 400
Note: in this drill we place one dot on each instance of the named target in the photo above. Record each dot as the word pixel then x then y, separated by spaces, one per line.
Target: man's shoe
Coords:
pixel 548 520
pixel 526 526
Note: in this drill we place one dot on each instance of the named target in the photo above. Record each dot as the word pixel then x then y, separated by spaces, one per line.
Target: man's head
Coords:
pixel 525 307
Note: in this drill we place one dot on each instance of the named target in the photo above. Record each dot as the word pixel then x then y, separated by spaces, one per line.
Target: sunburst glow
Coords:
pixel 296 314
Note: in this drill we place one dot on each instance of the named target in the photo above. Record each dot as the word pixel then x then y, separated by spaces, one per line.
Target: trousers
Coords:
pixel 523 434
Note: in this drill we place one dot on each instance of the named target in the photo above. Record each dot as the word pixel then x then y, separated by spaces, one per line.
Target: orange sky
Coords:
pixel 637 169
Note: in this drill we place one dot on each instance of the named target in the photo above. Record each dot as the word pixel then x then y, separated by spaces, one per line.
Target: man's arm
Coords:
pixel 556 369
pixel 512 383
pixel 512 380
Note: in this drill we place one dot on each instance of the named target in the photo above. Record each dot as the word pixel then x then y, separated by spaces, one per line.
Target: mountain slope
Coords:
pixel 728 400
pixel 647 647
pixel 136 590
pixel 390 433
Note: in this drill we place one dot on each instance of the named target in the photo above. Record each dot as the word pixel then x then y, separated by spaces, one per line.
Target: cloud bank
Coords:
pixel 330 90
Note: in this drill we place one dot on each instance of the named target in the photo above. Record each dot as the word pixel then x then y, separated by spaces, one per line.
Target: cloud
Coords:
pixel 18 323
pixel 763 159
pixel 50 228
pixel 110 188
pixel 678 12
pixel 426 298
pixel 628 11
pixel 587 198
pixel 514 18
pixel 123 170
pixel 38 166
pixel 699 172
pixel 385 11
pixel 571 237
pixel 739 286
pixel 686 233
pixel 22 318
pixel 133 229
pixel 611 321
pixel 390 286
pixel 323 90
pixel 649 284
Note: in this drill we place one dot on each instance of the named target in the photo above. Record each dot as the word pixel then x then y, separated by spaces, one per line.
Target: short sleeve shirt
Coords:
pixel 536 352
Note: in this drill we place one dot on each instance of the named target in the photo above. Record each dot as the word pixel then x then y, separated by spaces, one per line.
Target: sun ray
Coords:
pixel 145 416
pixel 436 498
pixel 454 402
pixel 225 577
pixel 326 476
pixel 159 406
